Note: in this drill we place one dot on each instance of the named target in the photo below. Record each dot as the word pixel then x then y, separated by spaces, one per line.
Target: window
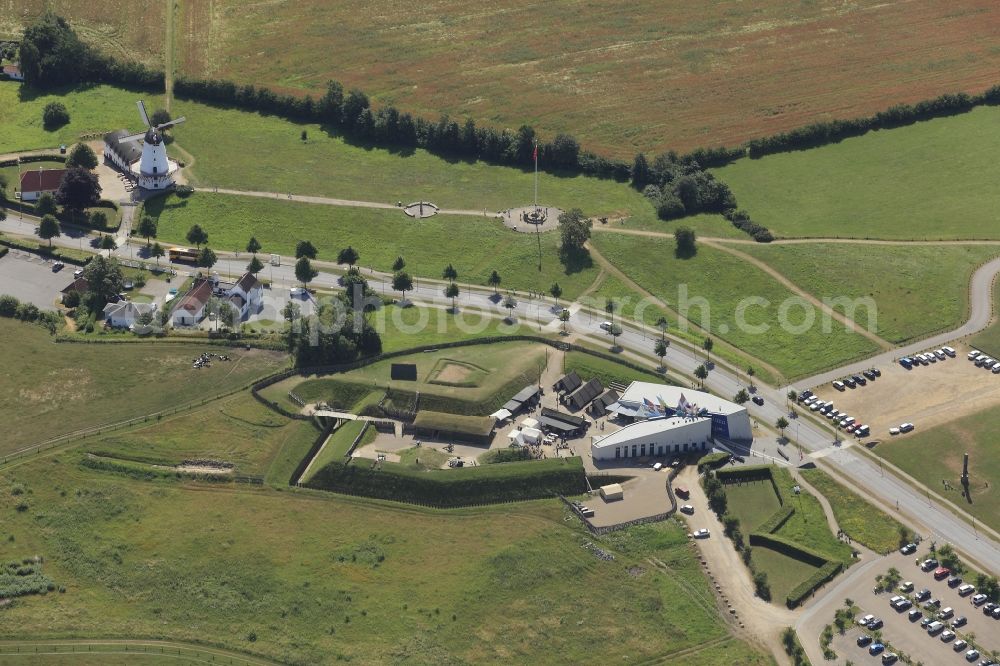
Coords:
pixel 154 170
pixel 659 450
pixel 618 452
pixel 642 450
pixel 634 448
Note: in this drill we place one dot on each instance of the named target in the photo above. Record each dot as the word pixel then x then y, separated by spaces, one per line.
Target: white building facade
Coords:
pixel 655 437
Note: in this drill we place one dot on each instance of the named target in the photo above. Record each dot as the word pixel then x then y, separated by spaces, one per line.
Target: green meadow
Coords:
pixel 917 289
pixel 930 180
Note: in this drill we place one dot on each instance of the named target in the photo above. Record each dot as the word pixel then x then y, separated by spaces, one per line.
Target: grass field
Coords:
pixel 646 76
pixel 503 364
pixel 808 525
pixel 859 519
pixel 10 173
pixel 752 502
pixel 91 109
pixel 475 246
pixel 988 339
pixel 327 165
pixel 917 289
pixel 591 367
pixel 304 578
pixel 724 282
pixel 936 454
pixel 48 389
pixel 784 573
pixel 929 180
pixel 237 430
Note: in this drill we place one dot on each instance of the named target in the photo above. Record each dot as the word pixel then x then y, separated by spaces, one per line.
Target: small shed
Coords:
pixel 568 383
pixel 612 492
pixel 500 415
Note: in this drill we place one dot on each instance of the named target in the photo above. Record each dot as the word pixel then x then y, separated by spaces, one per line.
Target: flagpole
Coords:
pixel 536 175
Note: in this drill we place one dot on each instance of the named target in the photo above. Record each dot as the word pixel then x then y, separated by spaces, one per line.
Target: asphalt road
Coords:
pixel 938 519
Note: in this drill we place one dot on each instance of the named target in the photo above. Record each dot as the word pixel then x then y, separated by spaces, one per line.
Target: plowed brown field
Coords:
pixel 621 76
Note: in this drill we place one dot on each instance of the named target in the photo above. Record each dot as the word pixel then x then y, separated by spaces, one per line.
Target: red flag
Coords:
pixel 534 155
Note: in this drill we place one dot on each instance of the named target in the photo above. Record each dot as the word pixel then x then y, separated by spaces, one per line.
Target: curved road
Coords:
pixel 940 519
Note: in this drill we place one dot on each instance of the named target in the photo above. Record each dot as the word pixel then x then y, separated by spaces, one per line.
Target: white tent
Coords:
pixel 525 436
pixel 529 423
pixel 501 415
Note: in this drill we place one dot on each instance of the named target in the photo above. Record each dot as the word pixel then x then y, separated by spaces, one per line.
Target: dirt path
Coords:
pixel 330 201
pixel 762 621
pixel 610 268
pixel 797 290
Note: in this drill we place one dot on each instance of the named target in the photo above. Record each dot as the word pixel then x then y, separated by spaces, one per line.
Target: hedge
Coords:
pixel 479 426
pixel 712 461
pixel 44 252
pixel 804 589
pixel 748 473
pixel 465 486
pixel 774 523
pixel 34 158
pixel 789 548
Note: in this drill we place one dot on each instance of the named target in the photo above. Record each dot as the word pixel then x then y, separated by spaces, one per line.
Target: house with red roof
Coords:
pixel 191 308
pixel 36 182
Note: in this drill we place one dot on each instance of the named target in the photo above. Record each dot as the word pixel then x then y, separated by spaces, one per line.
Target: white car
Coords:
pixel 973 355
pixel 949 351
pixel 657 467
pixel 863 621
pixel 606 325
pixel 893 431
pixel 688 509
pixel 939 353
pixel 701 534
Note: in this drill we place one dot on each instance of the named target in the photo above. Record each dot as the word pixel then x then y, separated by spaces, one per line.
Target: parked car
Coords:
pixel 954 581
pixel 906 363
pixel 58 266
pixel 933 603
pixel 965 590
pixel 838 385
pixel 864 620
pixel 876 372
pixel 688 509
pixel 864 639
pixel 947 636
pixel 973 654
pixel 902 605
pixel 849 382
pixel 940 354
pixel 988 608
pixel 941 573
pixel 757 400
pixel 605 325
pixel 946 613
pixel 979 599
pixel 959 621
pixel 923 594
pixel 889 658
pixel 914 615
pixel 959 645
pixel 908 549
pixel 876 648
pixel 859 380
pixel 973 355
pixel 905 427
pixel 949 351
pixel 877 623
pixel 893 431
pixel 935 627
pixel 906 585
pixel 863 431
pixel 703 533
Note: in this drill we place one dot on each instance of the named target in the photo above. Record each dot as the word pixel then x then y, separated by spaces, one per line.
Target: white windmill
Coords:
pixel 155 171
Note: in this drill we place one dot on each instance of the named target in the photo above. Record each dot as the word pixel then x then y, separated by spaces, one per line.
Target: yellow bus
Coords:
pixel 183 254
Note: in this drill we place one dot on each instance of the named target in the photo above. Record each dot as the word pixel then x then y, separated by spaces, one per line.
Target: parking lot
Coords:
pixel 925 396
pixel 29 278
pixel 906 635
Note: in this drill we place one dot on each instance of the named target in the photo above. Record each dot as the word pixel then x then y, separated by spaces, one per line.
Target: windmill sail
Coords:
pixel 142 112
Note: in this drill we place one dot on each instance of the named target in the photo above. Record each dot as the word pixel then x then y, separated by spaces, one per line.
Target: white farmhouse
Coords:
pixel 246 295
pixel 124 314
pixel 191 308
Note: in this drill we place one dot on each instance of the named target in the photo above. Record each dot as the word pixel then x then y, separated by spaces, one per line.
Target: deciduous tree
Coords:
pixel 48 228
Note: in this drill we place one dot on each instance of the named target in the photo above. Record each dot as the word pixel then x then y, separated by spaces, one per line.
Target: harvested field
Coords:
pixel 622 77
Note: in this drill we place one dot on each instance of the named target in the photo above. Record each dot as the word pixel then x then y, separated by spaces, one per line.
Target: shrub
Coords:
pixel 761 587
pixel 8 305
pixel 54 115
pixel 27 312
pixel 183 191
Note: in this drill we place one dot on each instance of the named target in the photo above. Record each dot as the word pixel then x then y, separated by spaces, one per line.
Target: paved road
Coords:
pixel 939 519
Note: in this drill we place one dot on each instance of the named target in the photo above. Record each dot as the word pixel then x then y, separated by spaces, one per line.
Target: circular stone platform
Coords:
pixel 420 209
pixel 530 219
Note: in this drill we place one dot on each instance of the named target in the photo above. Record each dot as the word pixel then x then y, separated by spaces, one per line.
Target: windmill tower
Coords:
pixel 153 171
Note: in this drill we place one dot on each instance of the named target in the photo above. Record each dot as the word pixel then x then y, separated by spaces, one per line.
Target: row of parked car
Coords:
pixel 983 361
pixel 855 381
pixel 840 419
pixel 927 358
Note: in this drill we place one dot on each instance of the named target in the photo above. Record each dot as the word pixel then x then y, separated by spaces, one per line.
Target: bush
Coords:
pixel 54 115
pixel 8 305
pixel 761 587
pixel 183 191
pixel 26 312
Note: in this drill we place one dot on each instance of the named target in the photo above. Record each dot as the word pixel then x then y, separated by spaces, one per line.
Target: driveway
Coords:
pixel 30 279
